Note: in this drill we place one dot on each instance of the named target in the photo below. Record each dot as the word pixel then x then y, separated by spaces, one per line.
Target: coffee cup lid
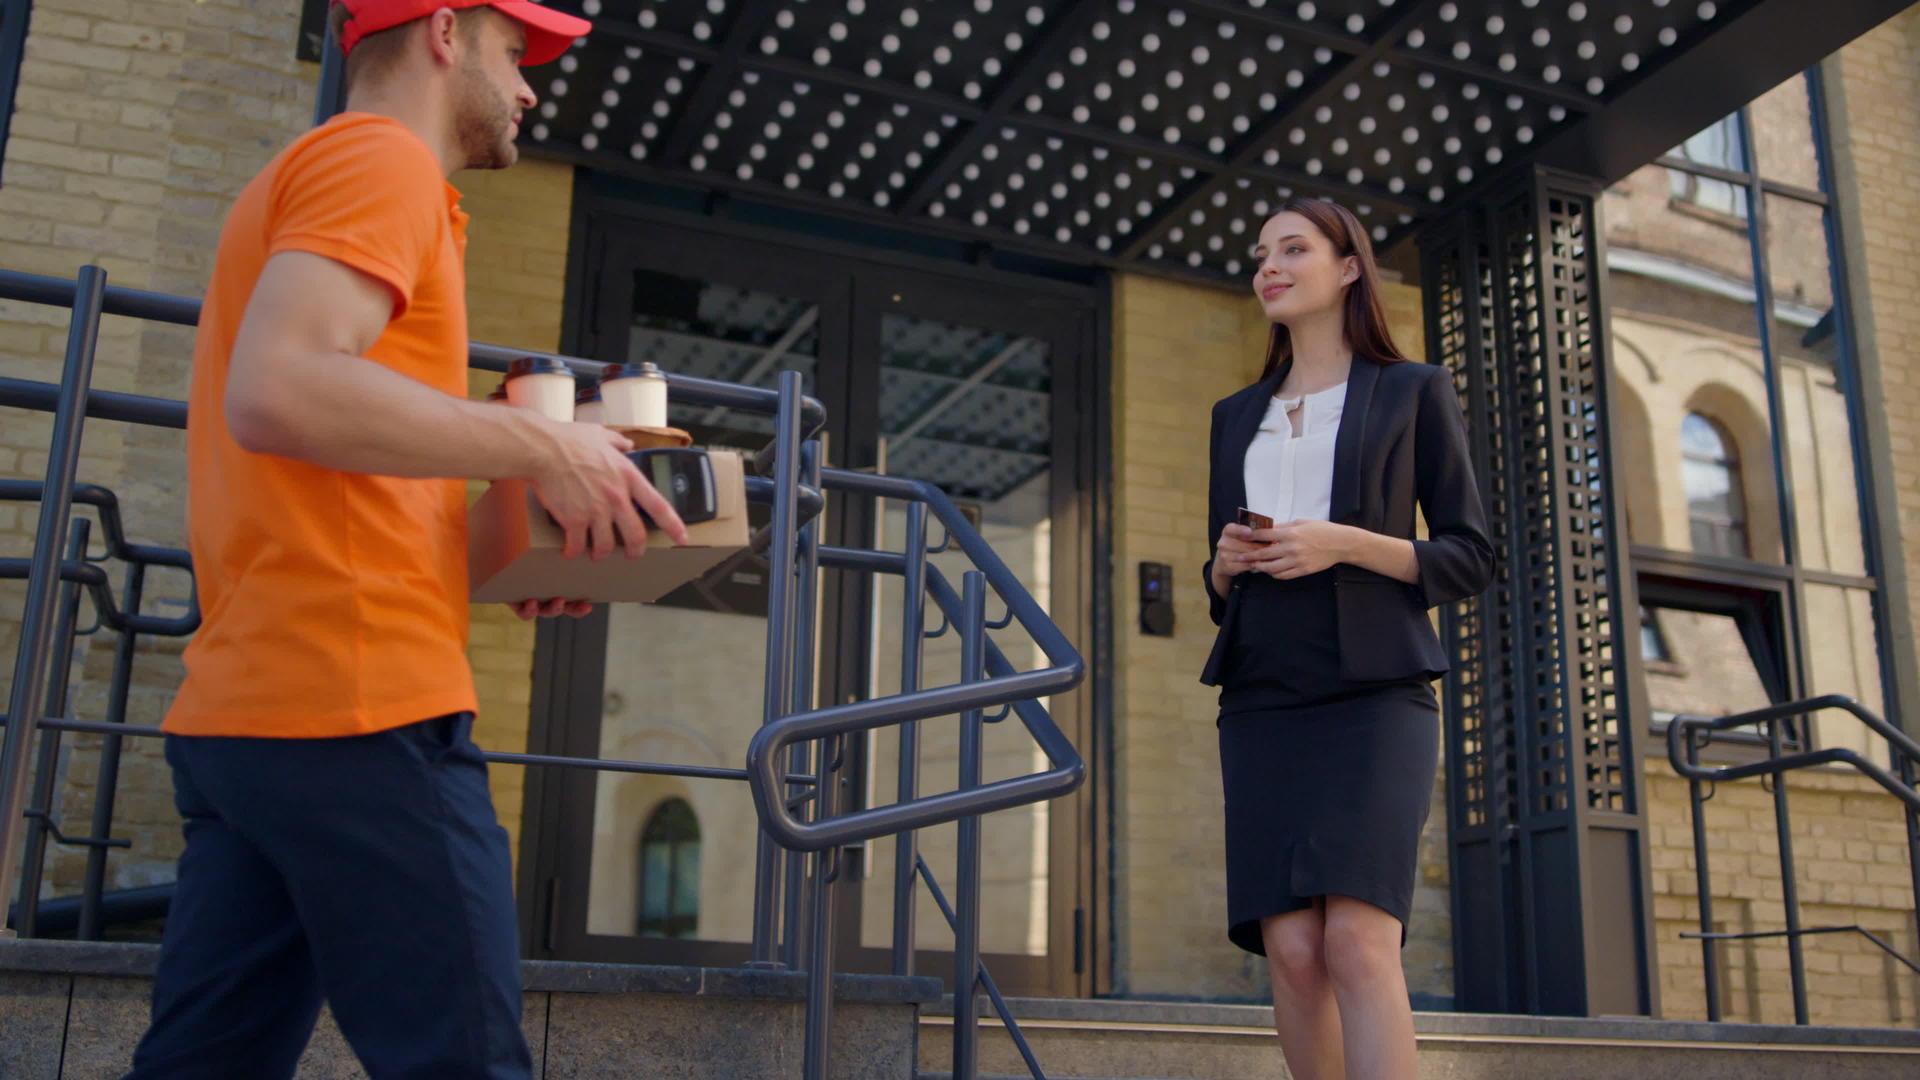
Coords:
pixel 587 392
pixel 643 370
pixel 537 365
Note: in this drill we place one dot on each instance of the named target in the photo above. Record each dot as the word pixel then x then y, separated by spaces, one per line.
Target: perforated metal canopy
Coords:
pixel 1154 133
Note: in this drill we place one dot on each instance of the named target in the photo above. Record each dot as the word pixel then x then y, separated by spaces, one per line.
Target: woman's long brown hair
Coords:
pixel 1366 317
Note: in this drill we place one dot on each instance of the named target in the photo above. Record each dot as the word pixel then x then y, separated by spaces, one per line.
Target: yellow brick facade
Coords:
pixel 137 121
pixel 135 125
pixel 516 283
pixel 1849 848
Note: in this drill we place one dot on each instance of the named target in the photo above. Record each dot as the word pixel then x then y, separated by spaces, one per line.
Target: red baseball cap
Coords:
pixel 549 32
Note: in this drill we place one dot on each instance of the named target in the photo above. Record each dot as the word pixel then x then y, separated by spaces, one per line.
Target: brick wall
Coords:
pixel 1872 86
pixel 516 281
pixel 1848 840
pixel 1849 849
pixel 136 124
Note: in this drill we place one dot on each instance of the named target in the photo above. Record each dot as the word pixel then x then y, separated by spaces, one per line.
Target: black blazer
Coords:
pixel 1402 440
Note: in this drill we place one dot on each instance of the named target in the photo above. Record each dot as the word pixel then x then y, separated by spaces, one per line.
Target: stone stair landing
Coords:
pixel 1127 1040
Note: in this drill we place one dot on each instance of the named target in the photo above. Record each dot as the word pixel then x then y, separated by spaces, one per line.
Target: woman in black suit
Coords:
pixel 1329 731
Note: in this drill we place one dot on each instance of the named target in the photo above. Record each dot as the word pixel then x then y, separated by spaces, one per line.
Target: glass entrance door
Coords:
pixel 973 397
pixel 657 869
pixel 964 383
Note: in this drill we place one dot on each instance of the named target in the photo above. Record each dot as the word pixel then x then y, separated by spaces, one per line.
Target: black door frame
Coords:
pixel 568 667
pixel 1761 608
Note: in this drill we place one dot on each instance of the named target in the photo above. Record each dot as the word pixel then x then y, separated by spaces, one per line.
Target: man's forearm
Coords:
pixel 352 414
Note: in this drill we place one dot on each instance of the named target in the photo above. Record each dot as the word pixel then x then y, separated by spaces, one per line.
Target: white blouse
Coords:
pixel 1290 476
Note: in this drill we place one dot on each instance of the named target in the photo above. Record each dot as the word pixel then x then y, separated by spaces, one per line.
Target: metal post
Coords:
pixel 33 861
pixel 110 747
pixel 913 623
pixel 966 890
pixel 331 95
pixel 793 890
pixel 1789 889
pixel 1709 955
pixel 27 700
pixel 819 960
pixel 828 763
pixel 806 570
pixel 1913 834
pixel 779 677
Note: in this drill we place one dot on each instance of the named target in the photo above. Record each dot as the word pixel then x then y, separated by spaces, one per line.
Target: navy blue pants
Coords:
pixel 369 872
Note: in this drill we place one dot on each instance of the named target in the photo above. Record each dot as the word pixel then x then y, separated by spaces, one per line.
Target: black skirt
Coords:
pixel 1326 799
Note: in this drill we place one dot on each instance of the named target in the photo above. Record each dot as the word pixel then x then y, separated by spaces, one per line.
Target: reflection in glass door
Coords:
pixel 959 382
pixel 969 409
pixel 684 675
pixel 660 869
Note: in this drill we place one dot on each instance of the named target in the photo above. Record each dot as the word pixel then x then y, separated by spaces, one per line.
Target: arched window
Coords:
pixel 1710 468
pixel 670 872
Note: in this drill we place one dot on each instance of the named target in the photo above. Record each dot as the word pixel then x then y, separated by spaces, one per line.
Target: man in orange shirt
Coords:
pixel 341 841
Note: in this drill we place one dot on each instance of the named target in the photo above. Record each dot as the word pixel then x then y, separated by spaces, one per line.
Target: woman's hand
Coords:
pixel 1299 548
pixel 1230 556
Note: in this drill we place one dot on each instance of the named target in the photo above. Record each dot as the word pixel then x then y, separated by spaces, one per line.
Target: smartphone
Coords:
pixel 1252 520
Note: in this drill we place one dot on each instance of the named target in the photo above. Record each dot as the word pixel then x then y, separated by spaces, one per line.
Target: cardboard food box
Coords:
pixel 514 548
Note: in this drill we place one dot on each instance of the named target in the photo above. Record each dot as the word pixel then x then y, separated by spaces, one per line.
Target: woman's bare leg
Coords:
pixel 1362 945
pixel 1304 1010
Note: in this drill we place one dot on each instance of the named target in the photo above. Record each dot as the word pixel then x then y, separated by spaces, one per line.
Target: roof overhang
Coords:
pixel 1154 134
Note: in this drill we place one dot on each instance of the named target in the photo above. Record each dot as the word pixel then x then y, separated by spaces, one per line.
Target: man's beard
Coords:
pixel 482 124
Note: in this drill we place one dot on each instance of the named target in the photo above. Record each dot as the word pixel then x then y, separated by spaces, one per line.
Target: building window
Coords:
pixel 1710 472
pixel 1719 148
pixel 1726 310
pixel 670 872
pixel 14 16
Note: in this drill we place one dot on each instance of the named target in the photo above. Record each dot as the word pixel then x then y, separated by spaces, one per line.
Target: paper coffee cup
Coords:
pixel 542 384
pixel 589 410
pixel 635 395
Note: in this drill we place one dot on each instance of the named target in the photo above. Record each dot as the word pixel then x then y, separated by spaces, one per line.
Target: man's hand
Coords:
pixel 591 489
pixel 534 609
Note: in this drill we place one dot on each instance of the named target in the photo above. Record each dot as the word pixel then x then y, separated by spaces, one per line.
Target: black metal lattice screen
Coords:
pixel 1598 743
pixel 1539 749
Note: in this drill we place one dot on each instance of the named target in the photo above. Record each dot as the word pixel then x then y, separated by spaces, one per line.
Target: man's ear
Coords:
pixel 442 29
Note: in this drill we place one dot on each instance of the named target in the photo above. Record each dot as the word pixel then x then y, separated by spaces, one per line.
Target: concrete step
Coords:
pixel 1129 1040
pixel 73 1011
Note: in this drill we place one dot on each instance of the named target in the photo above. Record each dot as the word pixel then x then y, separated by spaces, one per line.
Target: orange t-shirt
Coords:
pixel 333 603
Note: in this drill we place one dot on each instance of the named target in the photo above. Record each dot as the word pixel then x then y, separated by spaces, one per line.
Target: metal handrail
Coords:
pixel 1853 928
pixel 1004 686
pixel 1680 728
pixel 986 977
pixel 796 488
pixel 108 504
pixel 85 570
pixel 114 299
pixel 497 757
pixel 1683 751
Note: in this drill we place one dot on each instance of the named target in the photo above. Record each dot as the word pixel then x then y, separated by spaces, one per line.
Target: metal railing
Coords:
pixel 1684 742
pixel 794 762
